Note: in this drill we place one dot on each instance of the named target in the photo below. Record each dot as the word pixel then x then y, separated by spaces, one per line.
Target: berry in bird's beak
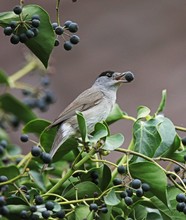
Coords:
pixel 129 76
pixel 124 77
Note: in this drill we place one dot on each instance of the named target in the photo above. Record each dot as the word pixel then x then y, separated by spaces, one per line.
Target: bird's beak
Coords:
pixel 123 77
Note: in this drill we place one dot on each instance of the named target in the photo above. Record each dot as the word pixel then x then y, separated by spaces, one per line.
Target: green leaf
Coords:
pixel 163 102
pixel 82 212
pixel 142 112
pixel 12 105
pixel 113 142
pixel 111 199
pixel 83 189
pixel 115 115
pixel 36 126
pixel 178 155
pixel 100 131
pixel 10 171
pixel 105 177
pixel 3 78
pixel 82 126
pixel 168 133
pixel 152 174
pixel 41 45
pixel 146 137
pixel 38 179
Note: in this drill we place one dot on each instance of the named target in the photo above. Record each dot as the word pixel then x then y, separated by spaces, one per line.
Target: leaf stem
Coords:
pixel 128 117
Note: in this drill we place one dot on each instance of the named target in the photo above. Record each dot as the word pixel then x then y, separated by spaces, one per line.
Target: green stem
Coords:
pixel 128 117
pixel 179 128
pixel 70 172
pixel 57 12
pixel 22 72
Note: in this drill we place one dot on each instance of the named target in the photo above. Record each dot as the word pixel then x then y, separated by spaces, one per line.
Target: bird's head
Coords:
pixel 114 79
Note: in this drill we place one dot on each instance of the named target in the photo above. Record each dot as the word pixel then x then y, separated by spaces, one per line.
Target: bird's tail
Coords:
pixel 58 141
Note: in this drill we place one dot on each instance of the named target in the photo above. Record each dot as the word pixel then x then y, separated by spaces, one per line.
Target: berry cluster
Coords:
pixel 181 206
pixel 24 29
pixel 39 98
pixel 36 151
pixel 136 187
pixel 70 26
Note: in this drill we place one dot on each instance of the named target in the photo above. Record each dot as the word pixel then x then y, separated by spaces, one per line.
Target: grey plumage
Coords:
pixel 95 104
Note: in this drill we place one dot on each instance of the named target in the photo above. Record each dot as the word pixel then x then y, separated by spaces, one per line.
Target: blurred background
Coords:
pixel 146 37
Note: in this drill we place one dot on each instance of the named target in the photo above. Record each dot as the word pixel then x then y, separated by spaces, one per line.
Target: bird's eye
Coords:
pixel 109 74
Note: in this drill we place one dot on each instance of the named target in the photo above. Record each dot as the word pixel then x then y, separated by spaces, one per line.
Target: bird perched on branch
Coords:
pixel 94 103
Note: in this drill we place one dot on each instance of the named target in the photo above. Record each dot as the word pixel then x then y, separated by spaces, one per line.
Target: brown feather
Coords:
pixel 84 101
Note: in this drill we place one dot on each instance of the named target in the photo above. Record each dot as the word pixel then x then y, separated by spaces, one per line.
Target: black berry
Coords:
pixel 117 181
pixel 33 208
pixel 129 192
pixel 67 23
pixel 184 141
pixel 38 200
pixel 49 205
pixel 35 31
pixel 181 197
pixel 73 27
pixel 3 179
pixel 74 39
pixel 37 17
pixel 54 25
pixel 24 214
pixel 60 214
pixel 139 192
pixel 30 33
pixel 184 157
pixel 24 138
pixel 104 210
pixel 180 206
pixel 121 169
pixel 45 214
pixel 23 38
pixel 129 76
pixel 128 201
pixel 59 30
pixel 13 24
pixel 4 143
pixel 8 31
pixel 36 151
pixel 4 211
pixel 35 23
pixel 177 169
pixel 67 45
pixel 93 207
pixel 136 183
pixel 14 39
pixel 46 157
pixel 145 187
pixel 2 201
pixel 17 9
pixel 123 194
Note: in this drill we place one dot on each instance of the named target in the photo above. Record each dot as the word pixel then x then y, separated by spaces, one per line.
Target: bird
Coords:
pixel 94 103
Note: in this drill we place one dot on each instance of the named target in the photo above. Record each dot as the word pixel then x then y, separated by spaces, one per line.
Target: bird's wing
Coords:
pixel 88 99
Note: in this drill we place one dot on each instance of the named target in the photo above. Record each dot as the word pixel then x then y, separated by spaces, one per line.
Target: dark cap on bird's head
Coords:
pixel 124 77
